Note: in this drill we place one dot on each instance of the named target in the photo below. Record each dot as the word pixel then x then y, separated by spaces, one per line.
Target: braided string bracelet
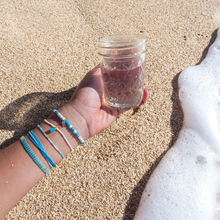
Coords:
pixel 54 128
pixel 34 138
pixel 45 135
pixel 33 156
pixel 65 122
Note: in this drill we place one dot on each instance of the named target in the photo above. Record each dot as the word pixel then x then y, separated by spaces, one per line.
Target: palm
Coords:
pixel 87 100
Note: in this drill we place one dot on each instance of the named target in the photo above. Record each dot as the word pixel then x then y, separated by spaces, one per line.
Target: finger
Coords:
pixel 110 110
pixel 91 81
pixel 145 96
pixel 95 71
pixel 117 112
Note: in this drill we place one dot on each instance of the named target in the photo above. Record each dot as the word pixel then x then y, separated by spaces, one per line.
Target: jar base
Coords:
pixel 122 106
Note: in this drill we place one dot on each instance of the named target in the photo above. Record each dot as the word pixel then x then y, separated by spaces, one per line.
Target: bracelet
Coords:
pixel 65 122
pixel 54 128
pixel 34 138
pixel 45 135
pixel 33 156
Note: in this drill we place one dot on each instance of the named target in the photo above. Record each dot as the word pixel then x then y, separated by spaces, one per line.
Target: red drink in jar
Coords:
pixel 123 70
pixel 123 88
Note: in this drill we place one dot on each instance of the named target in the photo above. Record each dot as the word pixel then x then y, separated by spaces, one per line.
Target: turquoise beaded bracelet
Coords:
pixel 33 156
pixel 54 128
pixel 66 122
pixel 36 141
pixel 55 147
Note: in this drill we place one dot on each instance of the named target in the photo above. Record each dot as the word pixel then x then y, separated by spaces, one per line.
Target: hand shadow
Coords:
pixel 26 112
pixel 176 123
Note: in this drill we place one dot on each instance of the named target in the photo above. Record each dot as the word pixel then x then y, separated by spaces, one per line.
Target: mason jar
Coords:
pixel 123 69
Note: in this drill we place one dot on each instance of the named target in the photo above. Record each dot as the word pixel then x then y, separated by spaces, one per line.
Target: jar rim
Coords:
pixel 121 41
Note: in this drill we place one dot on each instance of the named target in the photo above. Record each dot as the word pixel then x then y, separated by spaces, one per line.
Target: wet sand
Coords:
pixel 47 48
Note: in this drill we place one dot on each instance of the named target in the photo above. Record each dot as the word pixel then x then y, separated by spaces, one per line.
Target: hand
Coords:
pixel 87 100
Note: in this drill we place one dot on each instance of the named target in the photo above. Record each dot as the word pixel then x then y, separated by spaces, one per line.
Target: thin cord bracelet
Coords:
pixel 66 122
pixel 54 128
pixel 33 156
pixel 45 135
pixel 34 138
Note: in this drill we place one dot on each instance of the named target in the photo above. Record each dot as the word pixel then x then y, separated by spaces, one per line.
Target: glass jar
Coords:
pixel 123 69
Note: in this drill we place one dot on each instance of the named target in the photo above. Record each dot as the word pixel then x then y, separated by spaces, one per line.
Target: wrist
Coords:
pixel 67 142
pixel 77 120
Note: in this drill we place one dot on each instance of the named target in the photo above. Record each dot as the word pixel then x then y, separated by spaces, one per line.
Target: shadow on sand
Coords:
pixel 176 123
pixel 39 105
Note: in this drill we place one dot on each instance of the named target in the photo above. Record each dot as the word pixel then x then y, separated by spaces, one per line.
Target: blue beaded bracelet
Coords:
pixel 54 128
pixel 33 156
pixel 45 135
pixel 34 138
pixel 65 122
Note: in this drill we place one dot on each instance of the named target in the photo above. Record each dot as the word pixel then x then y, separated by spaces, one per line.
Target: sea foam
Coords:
pixel 186 183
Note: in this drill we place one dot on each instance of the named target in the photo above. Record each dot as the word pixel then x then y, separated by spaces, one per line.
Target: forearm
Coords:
pixel 89 115
pixel 19 173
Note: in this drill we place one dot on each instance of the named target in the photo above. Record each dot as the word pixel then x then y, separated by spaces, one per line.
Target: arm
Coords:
pixel 85 111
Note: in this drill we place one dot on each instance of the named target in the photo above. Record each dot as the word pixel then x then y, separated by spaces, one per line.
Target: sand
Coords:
pixel 46 49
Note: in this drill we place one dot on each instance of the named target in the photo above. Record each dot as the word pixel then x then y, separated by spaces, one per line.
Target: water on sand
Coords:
pixel 186 183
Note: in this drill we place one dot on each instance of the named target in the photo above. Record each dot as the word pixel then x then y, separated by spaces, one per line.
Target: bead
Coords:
pixel 67 123
pixel 64 123
pixel 52 129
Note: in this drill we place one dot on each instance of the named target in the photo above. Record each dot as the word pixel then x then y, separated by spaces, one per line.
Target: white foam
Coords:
pixel 186 183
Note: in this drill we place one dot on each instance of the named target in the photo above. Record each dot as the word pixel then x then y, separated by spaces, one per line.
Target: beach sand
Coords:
pixel 46 49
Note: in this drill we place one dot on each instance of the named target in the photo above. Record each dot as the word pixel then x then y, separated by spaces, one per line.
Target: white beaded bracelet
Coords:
pixel 66 122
